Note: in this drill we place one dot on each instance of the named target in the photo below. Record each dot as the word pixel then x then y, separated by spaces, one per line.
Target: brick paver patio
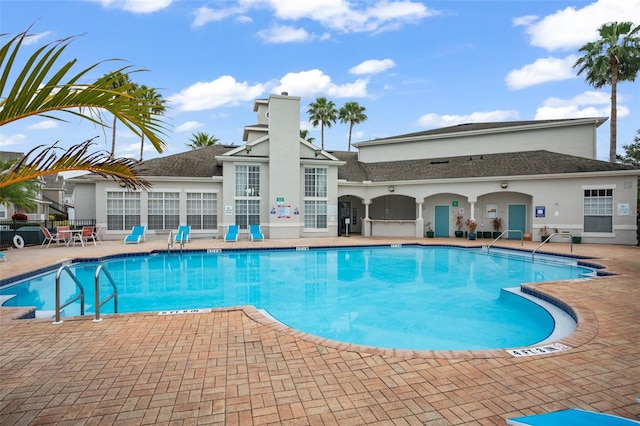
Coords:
pixel 234 366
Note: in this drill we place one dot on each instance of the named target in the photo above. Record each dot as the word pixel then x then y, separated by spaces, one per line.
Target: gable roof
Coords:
pixel 506 164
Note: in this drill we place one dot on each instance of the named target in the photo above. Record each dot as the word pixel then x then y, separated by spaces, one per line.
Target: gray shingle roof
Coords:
pixel 195 163
pixel 507 164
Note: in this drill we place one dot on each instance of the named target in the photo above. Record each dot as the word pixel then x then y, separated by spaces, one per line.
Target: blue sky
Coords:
pixel 414 65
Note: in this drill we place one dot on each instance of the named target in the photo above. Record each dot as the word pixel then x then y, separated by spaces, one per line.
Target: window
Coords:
pixel 3 211
pixel 315 214
pixel 164 210
pixel 247 196
pixel 315 182
pixel 247 213
pixel 315 193
pixel 247 181
pixel 202 210
pixel 598 210
pixel 123 210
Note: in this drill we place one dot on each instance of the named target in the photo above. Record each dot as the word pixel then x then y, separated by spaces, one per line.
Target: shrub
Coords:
pixel 20 217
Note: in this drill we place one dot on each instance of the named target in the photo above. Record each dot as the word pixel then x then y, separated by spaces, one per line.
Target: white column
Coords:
pixel 419 221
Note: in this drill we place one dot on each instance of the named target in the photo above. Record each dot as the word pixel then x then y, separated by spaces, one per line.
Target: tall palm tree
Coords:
pixel 201 140
pixel 42 88
pixel 118 81
pixel 323 113
pixel 613 58
pixel 304 134
pixel 152 102
pixel 352 113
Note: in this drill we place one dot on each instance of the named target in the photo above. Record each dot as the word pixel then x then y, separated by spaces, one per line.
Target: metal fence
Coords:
pixel 30 230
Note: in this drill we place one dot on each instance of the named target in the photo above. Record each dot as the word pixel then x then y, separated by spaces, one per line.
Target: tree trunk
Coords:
pixel 322 135
pixel 350 129
pixel 141 146
pixel 113 140
pixel 613 125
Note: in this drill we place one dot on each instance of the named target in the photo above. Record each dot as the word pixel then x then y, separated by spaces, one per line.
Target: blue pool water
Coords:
pixel 409 297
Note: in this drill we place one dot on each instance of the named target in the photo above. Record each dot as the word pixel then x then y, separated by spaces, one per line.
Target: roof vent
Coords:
pixel 440 162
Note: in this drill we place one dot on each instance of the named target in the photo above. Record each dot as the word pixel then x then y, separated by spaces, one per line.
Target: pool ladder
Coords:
pixel 504 232
pixel 170 243
pixel 98 302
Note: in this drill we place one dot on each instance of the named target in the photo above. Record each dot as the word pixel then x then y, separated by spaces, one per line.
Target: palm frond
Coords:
pixel 40 89
pixel 44 160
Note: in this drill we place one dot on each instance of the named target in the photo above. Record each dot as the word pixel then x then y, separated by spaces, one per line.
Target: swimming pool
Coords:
pixel 409 297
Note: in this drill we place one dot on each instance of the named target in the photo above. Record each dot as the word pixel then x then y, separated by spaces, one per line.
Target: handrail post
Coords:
pixel 65 268
pixel 97 294
pixel 170 241
pixel 114 295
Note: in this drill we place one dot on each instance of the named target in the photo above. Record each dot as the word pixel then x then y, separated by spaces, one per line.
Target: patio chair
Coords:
pixel 184 234
pixel 3 257
pixel 232 234
pixel 137 235
pixel 84 236
pixel 64 232
pixel 50 238
pixel 256 233
pixel 96 231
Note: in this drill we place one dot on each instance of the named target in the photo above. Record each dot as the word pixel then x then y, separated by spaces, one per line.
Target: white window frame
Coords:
pixel 206 210
pixel 315 198
pixel 164 204
pixel 247 195
pixel 128 210
pixel 598 202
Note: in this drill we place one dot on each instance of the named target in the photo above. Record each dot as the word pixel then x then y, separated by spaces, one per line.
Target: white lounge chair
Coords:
pixel 137 235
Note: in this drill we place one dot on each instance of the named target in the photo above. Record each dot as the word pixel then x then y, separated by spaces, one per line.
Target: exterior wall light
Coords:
pixel 391 189
pixel 504 185
pixel 247 148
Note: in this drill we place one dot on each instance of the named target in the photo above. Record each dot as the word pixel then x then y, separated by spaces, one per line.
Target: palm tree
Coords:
pixel 614 57
pixel 118 81
pixel 152 102
pixel 22 194
pixel 323 113
pixel 201 140
pixel 304 134
pixel 352 113
pixel 39 89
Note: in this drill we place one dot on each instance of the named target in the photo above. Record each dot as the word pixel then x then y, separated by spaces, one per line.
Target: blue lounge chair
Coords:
pixel 572 417
pixel 184 234
pixel 3 257
pixel 232 233
pixel 256 233
pixel 137 235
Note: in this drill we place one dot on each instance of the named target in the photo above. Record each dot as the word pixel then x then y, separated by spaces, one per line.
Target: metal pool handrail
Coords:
pixel 564 234
pixel 508 230
pixel 59 307
pixel 113 295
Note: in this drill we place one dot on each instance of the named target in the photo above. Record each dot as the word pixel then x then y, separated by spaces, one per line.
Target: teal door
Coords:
pixel 441 222
pixel 517 220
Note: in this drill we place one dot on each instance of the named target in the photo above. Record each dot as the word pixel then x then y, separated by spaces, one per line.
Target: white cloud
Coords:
pixel 136 6
pixel 587 104
pixel 372 66
pixel 337 15
pixel 35 38
pixel 541 71
pixel 314 82
pixel 437 120
pixel 16 139
pixel 188 126
pixel 524 20
pixel 204 15
pixel 43 125
pixel 284 34
pixel 571 27
pixel 224 90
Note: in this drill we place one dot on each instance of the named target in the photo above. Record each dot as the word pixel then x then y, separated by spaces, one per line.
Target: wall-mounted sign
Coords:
pixel 284 212
pixel 454 204
pixel 540 211
pixel 228 210
pixel 280 201
pixel 623 209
